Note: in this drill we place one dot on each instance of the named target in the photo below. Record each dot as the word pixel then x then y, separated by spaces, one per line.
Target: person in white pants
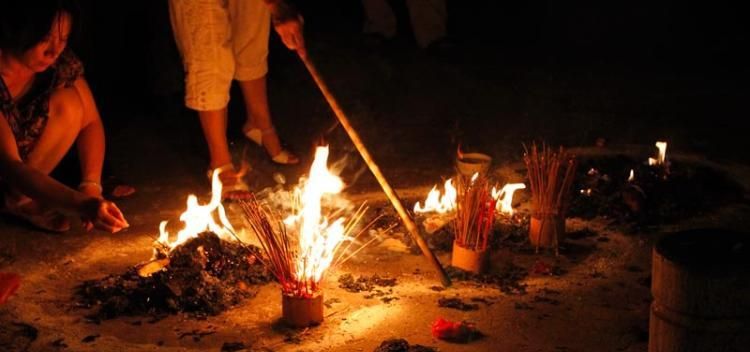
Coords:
pixel 428 19
pixel 225 40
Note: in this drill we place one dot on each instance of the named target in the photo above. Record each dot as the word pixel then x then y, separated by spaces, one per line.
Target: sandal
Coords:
pixel 284 157
pixel 38 216
pixel 232 186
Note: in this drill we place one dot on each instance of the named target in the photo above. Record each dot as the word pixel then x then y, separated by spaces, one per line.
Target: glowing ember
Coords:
pixel 318 238
pixel 200 218
pixel 661 157
pixel 437 203
pixel 504 197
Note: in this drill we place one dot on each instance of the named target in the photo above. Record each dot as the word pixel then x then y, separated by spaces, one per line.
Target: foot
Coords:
pixel 232 186
pixel 270 140
pixel 36 214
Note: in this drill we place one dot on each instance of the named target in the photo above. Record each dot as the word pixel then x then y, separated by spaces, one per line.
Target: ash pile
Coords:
pixel 204 276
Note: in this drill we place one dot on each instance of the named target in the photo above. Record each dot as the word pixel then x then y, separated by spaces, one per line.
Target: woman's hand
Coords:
pixel 288 24
pixel 102 214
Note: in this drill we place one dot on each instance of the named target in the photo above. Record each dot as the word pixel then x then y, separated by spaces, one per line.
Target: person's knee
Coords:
pixel 207 88
pixel 66 106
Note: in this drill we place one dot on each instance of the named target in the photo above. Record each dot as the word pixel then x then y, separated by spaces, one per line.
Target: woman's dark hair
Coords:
pixel 25 23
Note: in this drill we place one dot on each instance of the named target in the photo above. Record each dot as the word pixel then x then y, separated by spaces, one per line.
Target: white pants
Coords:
pixel 219 40
pixel 428 19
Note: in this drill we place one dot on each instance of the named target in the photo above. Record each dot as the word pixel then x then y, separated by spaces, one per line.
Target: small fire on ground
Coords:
pixel 445 202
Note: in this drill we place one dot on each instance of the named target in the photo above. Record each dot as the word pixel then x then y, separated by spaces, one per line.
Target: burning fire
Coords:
pixel 504 204
pixel 446 202
pixel 200 218
pixel 437 203
pixel 661 157
pixel 631 178
pixel 319 239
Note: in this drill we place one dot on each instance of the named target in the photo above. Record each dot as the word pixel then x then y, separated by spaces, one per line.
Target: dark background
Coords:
pixel 561 71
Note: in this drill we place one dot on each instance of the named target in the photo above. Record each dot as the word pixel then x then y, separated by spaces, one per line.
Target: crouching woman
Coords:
pixel 46 106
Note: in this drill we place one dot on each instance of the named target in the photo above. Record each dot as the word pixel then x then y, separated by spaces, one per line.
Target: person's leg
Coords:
pixel 214 124
pixel 379 18
pixel 66 118
pixel 258 114
pixel 428 20
pixel 201 30
pixel 65 121
pixel 251 27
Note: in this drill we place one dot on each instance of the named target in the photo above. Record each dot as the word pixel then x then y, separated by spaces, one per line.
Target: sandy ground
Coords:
pixel 599 303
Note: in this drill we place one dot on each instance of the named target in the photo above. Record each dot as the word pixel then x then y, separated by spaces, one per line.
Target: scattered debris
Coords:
pixel 205 276
pixel 17 336
pixel 401 345
pixel 364 283
pixel 59 343
pixel 460 332
pixel 196 334
pixel 482 300
pixel 457 303
pixel 508 280
pixel 545 299
pixel 90 338
pixel 233 346
pixel 331 301
pixel 522 306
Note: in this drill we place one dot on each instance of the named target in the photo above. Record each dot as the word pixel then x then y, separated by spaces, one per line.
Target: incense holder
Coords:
pixel 301 312
pixel 468 164
pixel 546 231
pixel 469 260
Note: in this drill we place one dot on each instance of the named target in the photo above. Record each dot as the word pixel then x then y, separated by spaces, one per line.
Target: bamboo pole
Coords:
pixel 392 196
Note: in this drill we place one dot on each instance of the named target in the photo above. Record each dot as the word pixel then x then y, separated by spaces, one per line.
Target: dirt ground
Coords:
pixel 412 108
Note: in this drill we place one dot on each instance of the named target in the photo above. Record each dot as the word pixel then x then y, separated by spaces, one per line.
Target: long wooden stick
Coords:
pixel 392 196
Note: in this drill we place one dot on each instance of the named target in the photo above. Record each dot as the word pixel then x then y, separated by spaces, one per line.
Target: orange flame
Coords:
pixel 437 203
pixel 318 238
pixel 504 197
pixel 200 218
pixel 661 157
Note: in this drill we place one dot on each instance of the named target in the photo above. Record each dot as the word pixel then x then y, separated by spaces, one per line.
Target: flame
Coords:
pixel 504 203
pixel 661 157
pixel 631 178
pixel 437 203
pixel 662 152
pixel 200 218
pixel 318 238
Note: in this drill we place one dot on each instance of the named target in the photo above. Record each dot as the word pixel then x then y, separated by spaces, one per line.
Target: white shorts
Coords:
pixel 219 40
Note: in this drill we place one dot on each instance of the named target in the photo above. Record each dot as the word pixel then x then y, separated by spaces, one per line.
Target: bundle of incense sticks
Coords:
pixel 551 176
pixel 282 256
pixel 475 212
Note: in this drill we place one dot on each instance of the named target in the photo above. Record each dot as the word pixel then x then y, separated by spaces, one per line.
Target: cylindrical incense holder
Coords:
pixel 300 312
pixel 468 259
pixel 546 231
pixel 470 163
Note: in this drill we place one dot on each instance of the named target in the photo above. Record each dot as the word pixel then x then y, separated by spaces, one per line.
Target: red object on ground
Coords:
pixel 9 283
pixel 541 268
pixel 455 332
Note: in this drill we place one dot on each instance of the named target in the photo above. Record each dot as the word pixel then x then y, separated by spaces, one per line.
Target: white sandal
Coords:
pixel 284 157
